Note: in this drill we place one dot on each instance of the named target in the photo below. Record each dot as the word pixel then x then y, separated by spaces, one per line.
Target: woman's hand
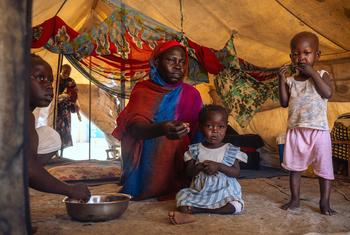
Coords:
pixel 175 129
pixel 210 167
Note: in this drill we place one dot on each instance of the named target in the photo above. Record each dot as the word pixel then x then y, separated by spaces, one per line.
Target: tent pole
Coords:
pixel 122 80
pixel 15 23
pixel 57 85
pixel 90 108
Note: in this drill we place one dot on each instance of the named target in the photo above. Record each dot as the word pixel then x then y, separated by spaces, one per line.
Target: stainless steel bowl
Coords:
pixel 98 208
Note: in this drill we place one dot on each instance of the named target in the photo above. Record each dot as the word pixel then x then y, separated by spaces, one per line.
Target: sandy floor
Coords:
pixel 262 214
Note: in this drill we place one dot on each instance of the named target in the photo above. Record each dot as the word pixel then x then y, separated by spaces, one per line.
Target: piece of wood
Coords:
pixel 15 28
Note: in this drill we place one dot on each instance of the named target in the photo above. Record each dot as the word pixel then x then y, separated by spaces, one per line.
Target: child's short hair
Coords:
pixel 35 59
pixel 211 108
pixel 304 35
pixel 67 66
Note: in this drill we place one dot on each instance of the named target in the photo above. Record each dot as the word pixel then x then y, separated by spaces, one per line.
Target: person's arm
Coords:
pixel 283 87
pixel 211 168
pixel 77 109
pixel 170 129
pixel 193 169
pixel 42 180
pixel 322 84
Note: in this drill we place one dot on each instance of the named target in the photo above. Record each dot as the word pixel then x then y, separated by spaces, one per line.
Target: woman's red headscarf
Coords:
pixel 164 46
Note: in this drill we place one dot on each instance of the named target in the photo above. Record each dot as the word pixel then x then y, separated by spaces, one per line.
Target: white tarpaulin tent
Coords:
pixel 264 29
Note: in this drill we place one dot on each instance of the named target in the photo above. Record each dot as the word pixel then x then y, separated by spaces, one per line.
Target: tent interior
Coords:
pixel 262 31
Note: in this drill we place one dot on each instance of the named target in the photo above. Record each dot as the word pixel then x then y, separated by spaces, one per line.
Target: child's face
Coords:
pixel 305 51
pixel 41 91
pixel 66 72
pixel 214 128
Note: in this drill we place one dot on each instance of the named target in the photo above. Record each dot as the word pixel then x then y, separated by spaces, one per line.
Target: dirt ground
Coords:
pixel 262 214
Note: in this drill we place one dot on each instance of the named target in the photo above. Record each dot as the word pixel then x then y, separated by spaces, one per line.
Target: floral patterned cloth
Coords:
pixel 242 93
pixel 63 120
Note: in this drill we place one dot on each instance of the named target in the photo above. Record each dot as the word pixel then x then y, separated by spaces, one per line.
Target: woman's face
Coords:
pixel 171 65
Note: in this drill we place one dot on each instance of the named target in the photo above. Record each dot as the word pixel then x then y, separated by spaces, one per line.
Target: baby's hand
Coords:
pixel 305 69
pixel 199 167
pixel 210 167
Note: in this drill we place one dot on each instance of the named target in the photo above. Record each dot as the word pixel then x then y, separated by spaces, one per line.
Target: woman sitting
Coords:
pixel 159 122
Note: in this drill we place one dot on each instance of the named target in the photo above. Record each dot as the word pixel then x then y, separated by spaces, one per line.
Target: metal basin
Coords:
pixel 98 208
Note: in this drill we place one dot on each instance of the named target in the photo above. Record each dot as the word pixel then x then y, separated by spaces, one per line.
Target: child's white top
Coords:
pixel 306 107
pixel 215 155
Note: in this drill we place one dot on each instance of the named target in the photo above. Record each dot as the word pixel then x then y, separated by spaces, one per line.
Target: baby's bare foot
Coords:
pixel 176 217
pixel 292 205
pixel 186 209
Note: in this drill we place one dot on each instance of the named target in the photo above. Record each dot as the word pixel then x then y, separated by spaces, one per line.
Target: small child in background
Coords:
pixel 308 139
pixel 213 166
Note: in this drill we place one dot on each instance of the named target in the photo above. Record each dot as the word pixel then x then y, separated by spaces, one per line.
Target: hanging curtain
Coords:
pixel 122 44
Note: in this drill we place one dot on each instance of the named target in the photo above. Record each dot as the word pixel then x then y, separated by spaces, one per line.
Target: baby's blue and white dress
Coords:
pixel 213 191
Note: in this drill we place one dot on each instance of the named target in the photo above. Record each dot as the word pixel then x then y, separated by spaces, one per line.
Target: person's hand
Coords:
pixel 175 129
pixel 305 69
pixel 283 71
pixel 210 167
pixel 79 192
pixel 199 167
pixel 79 117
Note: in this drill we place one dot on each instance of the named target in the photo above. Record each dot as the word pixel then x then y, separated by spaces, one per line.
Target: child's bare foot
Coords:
pixel 292 205
pixel 176 217
pixel 326 209
pixel 186 209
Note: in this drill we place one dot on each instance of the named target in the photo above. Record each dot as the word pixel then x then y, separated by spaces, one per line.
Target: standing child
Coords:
pixel 66 105
pixel 308 139
pixel 213 167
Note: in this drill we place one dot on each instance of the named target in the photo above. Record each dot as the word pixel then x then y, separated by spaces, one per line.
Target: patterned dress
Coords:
pixel 68 95
pixel 212 191
pixel 63 120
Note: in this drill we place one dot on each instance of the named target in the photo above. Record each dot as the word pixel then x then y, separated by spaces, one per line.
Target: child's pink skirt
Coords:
pixel 306 147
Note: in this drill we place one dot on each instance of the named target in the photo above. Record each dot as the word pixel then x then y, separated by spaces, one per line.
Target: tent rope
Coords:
pixel 59 9
pixel 308 25
pixel 181 19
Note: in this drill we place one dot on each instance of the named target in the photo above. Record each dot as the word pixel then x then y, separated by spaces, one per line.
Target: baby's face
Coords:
pixel 305 51
pixel 214 128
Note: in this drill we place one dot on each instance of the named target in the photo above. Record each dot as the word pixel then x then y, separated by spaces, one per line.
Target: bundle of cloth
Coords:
pixel 49 143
